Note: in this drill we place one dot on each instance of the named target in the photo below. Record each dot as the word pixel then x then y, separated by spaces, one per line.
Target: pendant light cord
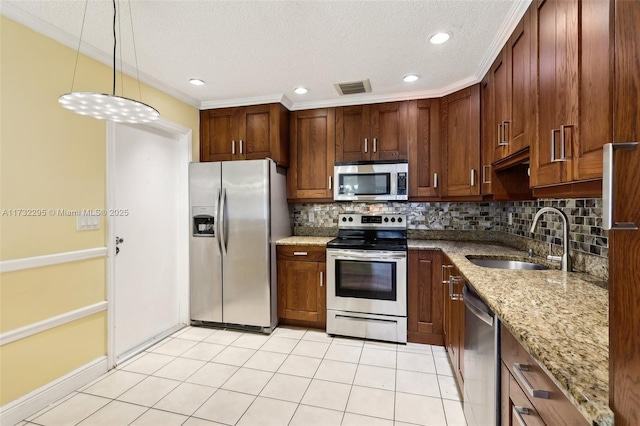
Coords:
pixel 75 68
pixel 114 47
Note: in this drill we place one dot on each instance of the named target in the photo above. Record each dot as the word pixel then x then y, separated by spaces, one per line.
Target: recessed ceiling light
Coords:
pixel 410 78
pixel 196 82
pixel 439 38
pixel 300 90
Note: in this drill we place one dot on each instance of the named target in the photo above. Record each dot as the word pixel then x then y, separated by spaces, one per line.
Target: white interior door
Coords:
pixel 147 216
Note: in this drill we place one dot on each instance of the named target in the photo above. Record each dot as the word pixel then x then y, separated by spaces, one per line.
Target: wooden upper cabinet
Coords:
pixel 372 132
pixel 512 94
pixel 461 127
pixel 596 88
pixel 424 148
pixel 310 175
pixel 520 128
pixel 247 133
pixel 573 61
pixel 556 63
pixel 218 134
pixel 389 131
pixel 352 133
pixel 488 133
pixel 501 115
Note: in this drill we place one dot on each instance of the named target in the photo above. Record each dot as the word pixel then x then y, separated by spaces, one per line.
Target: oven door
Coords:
pixel 365 182
pixel 367 281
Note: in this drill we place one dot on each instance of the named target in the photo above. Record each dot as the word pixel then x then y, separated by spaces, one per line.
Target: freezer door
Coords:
pixel 205 261
pixel 245 243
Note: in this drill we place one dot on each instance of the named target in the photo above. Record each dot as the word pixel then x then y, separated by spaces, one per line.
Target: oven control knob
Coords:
pixel 393 219
pixel 350 219
pixel 386 219
pixel 344 219
pixel 399 219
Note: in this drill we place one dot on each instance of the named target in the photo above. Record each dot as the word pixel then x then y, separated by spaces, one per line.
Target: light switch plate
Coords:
pixel 85 222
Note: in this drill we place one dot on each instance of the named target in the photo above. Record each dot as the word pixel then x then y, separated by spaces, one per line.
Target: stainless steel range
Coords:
pixel 367 277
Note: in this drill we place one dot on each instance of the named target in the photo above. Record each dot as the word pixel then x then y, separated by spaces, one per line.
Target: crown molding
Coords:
pixel 345 101
pixel 71 41
pixel 254 100
pixel 516 12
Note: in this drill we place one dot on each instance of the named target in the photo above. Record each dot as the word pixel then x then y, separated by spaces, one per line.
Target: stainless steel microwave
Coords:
pixel 371 181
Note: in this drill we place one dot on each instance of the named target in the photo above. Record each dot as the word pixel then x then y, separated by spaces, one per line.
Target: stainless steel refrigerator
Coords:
pixel 238 211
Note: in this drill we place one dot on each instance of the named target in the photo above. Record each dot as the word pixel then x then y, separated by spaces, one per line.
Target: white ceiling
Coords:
pixel 258 51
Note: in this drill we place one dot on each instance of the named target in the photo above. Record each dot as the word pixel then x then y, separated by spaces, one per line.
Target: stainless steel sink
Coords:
pixel 506 264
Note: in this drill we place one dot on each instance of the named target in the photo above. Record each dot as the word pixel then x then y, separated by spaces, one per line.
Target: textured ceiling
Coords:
pixel 257 51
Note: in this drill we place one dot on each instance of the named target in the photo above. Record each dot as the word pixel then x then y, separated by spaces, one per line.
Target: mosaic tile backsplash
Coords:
pixel 585 220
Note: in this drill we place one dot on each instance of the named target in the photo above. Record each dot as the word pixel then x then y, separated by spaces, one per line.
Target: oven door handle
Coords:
pixel 364 257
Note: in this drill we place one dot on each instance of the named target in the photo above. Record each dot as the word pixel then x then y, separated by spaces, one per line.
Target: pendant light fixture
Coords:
pixel 104 106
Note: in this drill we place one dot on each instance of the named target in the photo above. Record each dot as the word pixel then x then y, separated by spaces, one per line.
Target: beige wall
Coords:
pixel 51 158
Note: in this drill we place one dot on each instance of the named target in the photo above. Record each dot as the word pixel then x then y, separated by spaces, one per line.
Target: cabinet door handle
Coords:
pixel 435 181
pixel 517 414
pixel 443 268
pixel 555 159
pixel 485 173
pixel 503 137
pixel 452 295
pixel 499 135
pixel 608 221
pixel 366 145
pixel 321 279
pixel 241 146
pixel 563 145
pixel 473 177
pixel 375 145
pixel 233 147
pixel 535 393
pixel 330 182
pixel 300 253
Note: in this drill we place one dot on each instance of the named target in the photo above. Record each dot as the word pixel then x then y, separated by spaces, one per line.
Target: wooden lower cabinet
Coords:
pixel 302 298
pixel 453 319
pixel 425 313
pixel 521 374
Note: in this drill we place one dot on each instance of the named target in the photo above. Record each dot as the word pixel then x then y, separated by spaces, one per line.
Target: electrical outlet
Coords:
pixel 510 218
pixel 312 217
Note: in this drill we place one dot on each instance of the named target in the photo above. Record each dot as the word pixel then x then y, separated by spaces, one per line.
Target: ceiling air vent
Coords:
pixel 353 87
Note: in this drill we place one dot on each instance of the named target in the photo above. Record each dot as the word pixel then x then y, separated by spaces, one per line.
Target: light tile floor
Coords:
pixel 295 376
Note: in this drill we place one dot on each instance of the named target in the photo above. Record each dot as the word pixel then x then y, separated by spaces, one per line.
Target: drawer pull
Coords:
pixel 300 253
pixel 535 393
pixel 517 414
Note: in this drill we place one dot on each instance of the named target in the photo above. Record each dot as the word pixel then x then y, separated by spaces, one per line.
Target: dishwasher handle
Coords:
pixel 477 306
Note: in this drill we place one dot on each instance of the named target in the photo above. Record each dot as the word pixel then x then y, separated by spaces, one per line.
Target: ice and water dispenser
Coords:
pixel 203 221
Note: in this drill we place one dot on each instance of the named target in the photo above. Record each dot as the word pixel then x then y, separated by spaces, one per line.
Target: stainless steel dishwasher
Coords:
pixel 481 361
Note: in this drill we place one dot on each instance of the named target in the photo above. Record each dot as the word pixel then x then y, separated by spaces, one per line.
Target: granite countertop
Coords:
pixel 304 241
pixel 561 319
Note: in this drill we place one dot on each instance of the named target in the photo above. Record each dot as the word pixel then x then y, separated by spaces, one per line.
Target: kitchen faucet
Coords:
pixel 565 259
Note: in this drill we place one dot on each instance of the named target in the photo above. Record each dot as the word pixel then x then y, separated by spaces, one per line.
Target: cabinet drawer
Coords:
pixel 302 253
pixel 523 413
pixel 551 404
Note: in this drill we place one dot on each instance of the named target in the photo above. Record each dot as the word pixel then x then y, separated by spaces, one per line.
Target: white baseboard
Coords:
pixel 36 400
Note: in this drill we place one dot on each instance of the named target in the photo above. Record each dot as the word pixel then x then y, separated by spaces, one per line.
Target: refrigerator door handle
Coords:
pixel 216 235
pixel 221 222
